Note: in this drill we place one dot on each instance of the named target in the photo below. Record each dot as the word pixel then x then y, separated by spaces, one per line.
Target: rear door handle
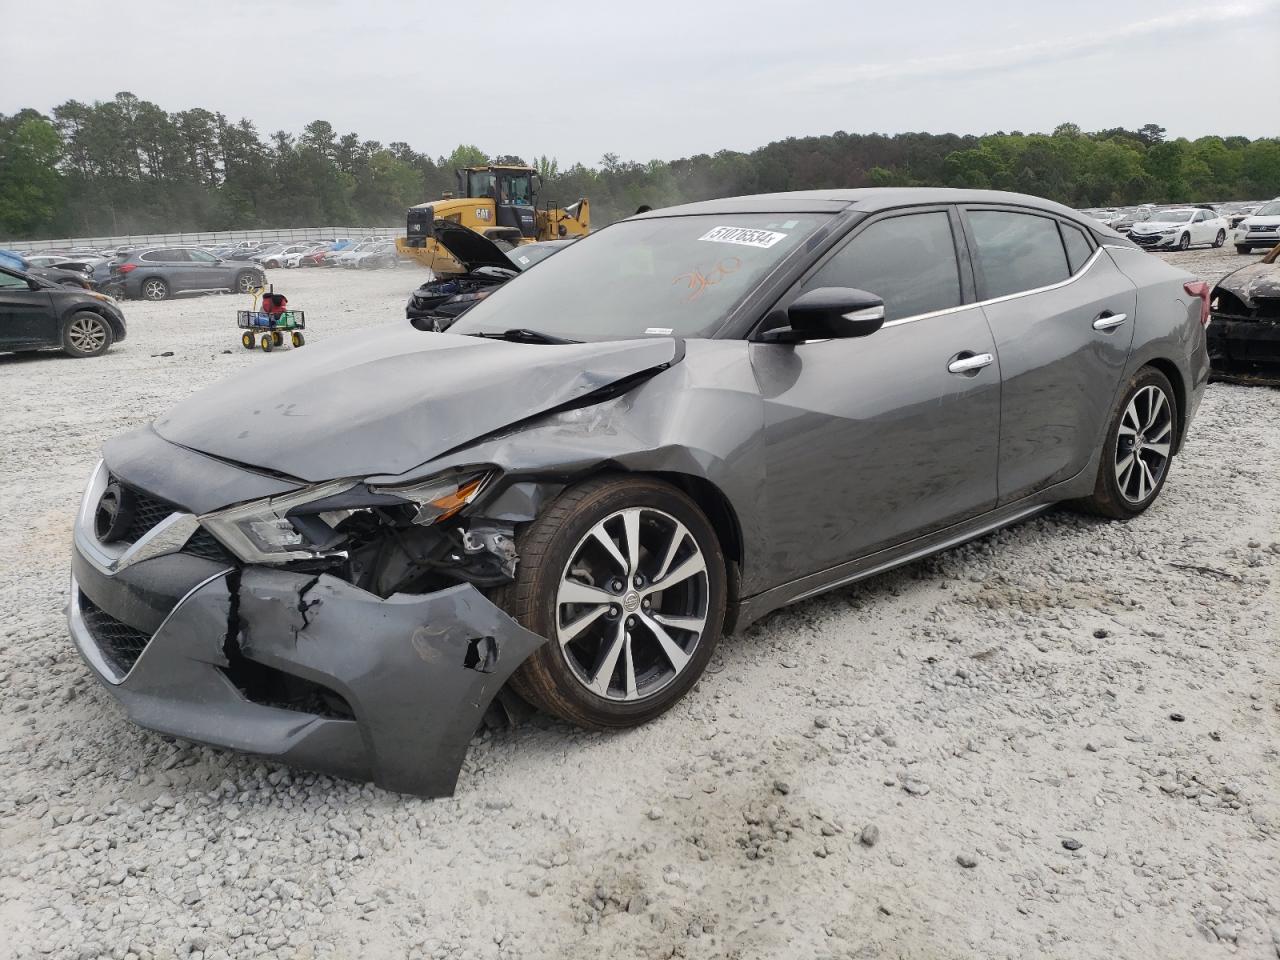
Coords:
pixel 970 363
pixel 1108 320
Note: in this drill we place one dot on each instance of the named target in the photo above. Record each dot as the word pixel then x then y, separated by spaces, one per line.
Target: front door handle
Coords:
pixel 1108 320
pixel 970 363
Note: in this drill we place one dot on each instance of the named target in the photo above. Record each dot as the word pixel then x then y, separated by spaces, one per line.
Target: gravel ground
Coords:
pixel 1059 740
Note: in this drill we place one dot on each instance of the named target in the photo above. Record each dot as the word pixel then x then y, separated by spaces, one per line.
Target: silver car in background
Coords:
pixel 669 429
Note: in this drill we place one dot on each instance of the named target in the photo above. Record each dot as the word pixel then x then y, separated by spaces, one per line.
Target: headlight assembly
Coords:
pixel 302 525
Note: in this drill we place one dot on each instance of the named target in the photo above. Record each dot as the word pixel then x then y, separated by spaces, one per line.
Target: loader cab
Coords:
pixel 512 191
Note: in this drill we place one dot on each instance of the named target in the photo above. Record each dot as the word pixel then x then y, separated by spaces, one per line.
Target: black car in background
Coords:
pixel 37 314
pixel 436 304
pixel 157 273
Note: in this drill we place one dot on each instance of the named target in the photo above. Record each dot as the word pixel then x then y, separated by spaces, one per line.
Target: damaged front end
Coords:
pixel 339 628
pixel 1244 329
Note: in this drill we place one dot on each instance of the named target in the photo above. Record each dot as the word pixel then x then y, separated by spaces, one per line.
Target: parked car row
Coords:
pixel 1249 225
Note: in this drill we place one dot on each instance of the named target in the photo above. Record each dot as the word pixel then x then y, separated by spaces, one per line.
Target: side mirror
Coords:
pixel 33 284
pixel 829 313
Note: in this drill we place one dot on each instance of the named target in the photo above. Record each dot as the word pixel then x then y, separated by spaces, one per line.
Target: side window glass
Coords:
pixel 199 256
pixel 1078 249
pixel 9 280
pixel 1017 251
pixel 909 262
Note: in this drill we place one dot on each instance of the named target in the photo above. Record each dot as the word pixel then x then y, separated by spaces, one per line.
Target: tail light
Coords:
pixel 1198 288
pixel 126 268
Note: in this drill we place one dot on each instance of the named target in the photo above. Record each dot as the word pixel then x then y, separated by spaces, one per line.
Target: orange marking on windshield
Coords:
pixel 698 282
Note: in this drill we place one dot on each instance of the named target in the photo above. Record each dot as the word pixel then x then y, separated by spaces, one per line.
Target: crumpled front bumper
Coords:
pixel 417 671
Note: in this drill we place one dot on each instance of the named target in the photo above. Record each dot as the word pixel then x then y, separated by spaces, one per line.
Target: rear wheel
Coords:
pixel 1184 242
pixel 267 343
pixel 153 288
pixel 245 282
pixel 246 340
pixel 1138 451
pixel 1220 239
pixel 297 338
pixel 625 576
pixel 277 338
pixel 86 334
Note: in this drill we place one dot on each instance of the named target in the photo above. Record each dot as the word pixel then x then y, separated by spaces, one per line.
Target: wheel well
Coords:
pixel 724 521
pixel 117 330
pixel 1174 376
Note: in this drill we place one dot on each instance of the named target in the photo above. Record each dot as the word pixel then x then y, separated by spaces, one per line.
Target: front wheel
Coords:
pixel 626 578
pixel 86 335
pixel 1184 242
pixel 246 340
pixel 1243 250
pixel 1138 451
pixel 1220 239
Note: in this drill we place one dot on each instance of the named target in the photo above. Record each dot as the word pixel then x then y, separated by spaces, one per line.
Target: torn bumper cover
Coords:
pixel 416 672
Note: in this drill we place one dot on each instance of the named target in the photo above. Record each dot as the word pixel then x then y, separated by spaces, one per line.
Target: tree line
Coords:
pixel 126 166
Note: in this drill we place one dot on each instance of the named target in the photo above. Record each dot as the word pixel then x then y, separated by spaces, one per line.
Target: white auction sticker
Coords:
pixel 743 236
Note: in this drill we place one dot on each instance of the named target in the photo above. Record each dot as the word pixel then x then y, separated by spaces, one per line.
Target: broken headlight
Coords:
pixel 302 525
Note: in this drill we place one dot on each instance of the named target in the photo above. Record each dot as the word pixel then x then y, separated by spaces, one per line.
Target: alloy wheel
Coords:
pixel 154 290
pixel 87 334
pixel 632 604
pixel 1143 443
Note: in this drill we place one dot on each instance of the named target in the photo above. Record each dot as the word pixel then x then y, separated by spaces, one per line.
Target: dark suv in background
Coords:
pixel 157 273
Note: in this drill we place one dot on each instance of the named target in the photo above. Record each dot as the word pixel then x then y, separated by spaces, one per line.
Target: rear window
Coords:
pixel 1017 251
pixel 1078 248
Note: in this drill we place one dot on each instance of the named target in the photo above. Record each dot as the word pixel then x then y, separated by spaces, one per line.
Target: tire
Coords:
pixel 297 339
pixel 245 281
pixel 246 340
pixel 268 343
pixel 85 334
pixel 560 556
pixel 277 338
pixel 1243 250
pixel 1184 242
pixel 273 264
pixel 1220 239
pixel 154 289
pixel 1119 492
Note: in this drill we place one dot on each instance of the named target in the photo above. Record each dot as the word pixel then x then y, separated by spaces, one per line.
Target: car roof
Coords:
pixel 866 199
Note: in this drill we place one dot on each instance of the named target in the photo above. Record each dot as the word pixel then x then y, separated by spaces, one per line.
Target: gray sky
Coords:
pixel 661 79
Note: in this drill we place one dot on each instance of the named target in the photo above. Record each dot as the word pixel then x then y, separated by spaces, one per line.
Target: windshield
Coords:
pixel 1174 216
pixel 529 254
pixel 1271 209
pixel 653 277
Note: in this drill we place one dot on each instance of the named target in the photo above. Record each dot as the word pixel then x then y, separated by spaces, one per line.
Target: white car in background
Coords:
pixel 278 257
pixel 1180 228
pixel 1259 229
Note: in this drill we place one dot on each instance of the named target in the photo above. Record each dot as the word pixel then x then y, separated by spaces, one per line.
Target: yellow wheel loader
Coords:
pixel 498 201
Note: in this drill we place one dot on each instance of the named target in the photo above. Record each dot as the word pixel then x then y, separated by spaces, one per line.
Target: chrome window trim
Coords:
pixel 167 536
pixel 1008 296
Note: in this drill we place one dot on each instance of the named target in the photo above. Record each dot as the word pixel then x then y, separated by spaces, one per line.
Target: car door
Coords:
pixel 27 317
pixel 872 441
pixel 208 272
pixel 1062 315
pixel 171 265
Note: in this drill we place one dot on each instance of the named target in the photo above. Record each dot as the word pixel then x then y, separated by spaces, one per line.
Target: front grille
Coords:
pixel 121 644
pixel 205 545
pixel 1263 229
pixel 1146 239
pixel 147 512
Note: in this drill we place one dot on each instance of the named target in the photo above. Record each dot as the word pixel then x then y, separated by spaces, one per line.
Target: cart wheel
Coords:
pixel 298 338
pixel 277 337
pixel 246 339
pixel 268 343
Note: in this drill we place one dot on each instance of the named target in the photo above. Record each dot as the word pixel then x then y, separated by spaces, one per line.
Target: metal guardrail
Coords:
pixel 203 238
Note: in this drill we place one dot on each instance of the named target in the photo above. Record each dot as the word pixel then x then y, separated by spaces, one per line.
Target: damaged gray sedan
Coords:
pixel 668 430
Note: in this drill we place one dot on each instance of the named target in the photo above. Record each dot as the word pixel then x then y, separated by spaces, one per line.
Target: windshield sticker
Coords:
pixel 743 236
pixel 697 281
pixel 523 259
pixel 657 331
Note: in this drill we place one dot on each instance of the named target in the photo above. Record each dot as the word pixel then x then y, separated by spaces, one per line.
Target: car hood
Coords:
pixel 1143 226
pixel 1255 280
pixel 387 401
pixel 469 248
